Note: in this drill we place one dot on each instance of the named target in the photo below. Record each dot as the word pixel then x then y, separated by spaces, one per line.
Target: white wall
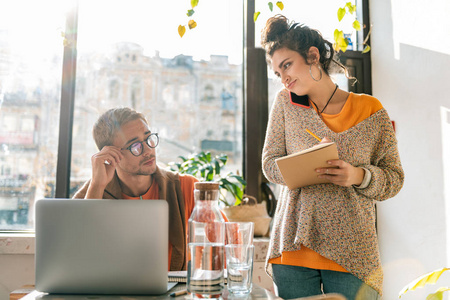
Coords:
pixel 411 72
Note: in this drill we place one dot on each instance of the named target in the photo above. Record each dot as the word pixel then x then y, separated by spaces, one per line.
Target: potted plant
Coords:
pixel 208 168
pixel 235 204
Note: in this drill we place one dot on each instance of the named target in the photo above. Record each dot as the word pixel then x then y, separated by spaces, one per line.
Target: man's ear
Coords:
pixel 313 55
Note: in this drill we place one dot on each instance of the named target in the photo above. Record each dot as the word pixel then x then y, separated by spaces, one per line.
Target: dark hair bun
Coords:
pixel 275 28
pixel 279 33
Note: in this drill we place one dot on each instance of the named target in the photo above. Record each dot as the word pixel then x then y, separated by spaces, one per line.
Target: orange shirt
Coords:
pixel 187 188
pixel 357 108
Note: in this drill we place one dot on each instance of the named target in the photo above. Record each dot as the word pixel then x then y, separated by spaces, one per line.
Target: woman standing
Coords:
pixel 324 237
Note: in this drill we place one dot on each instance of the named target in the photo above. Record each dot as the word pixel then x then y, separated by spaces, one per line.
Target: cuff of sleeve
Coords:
pixel 366 180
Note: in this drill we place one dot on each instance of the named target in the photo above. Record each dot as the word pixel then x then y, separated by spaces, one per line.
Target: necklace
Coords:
pixel 320 112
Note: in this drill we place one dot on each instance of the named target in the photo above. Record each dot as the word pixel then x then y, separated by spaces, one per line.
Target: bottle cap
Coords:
pixel 206 186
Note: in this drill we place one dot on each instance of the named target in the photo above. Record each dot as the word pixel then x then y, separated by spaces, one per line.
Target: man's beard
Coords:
pixel 149 172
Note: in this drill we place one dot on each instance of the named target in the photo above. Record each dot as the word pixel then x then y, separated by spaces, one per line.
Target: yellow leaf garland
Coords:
pixel 181 30
pixel 192 24
pixel 256 15
pixel 280 5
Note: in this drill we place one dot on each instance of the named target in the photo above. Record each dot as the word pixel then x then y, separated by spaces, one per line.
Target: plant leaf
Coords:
pixel 343 43
pixel 340 13
pixel 270 6
pixel 439 294
pixel 194 3
pixel 366 49
pixel 238 192
pixel 238 178
pixel 190 12
pixel 192 170
pixel 192 24
pixel 351 7
pixel 202 156
pixel 280 5
pixel 256 15
pixel 181 30
pixel 429 278
pixel 216 162
pixel 337 33
pixel 210 175
pixel 356 25
pixel 223 158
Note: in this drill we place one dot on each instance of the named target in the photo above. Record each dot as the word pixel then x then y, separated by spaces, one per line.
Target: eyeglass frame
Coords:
pixel 142 146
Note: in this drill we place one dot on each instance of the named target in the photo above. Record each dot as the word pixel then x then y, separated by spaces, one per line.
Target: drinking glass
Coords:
pixel 239 252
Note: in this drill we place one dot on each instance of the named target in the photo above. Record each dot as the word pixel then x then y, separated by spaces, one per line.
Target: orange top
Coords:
pixel 187 188
pixel 357 108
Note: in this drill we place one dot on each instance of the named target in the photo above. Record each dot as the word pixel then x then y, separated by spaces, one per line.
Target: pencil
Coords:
pixel 179 293
pixel 315 136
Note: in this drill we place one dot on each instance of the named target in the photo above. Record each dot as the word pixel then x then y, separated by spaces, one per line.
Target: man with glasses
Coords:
pixel 125 168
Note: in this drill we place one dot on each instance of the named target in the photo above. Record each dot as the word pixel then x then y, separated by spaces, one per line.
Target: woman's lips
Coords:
pixel 290 85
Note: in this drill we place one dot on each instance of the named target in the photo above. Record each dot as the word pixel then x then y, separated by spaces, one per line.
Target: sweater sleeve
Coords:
pixel 187 188
pixel 81 193
pixel 275 142
pixel 387 175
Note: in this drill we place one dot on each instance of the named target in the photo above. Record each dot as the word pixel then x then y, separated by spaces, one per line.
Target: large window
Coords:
pixel 30 89
pixel 128 53
pixel 189 88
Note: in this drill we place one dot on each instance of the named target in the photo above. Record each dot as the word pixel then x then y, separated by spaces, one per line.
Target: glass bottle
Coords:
pixel 205 243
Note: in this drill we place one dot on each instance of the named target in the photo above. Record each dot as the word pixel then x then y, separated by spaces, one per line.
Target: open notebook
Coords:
pixel 102 246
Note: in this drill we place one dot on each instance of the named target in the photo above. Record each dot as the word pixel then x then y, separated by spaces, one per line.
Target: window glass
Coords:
pixel 31 49
pixel 189 88
pixel 320 15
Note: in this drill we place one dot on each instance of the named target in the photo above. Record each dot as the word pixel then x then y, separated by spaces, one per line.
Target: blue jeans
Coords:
pixel 295 282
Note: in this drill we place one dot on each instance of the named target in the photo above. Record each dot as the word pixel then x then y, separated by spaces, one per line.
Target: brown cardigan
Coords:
pixel 170 190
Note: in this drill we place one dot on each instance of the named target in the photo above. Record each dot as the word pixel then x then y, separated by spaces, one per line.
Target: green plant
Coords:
pixel 429 278
pixel 208 168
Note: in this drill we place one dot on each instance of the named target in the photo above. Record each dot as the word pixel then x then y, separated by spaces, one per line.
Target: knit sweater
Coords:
pixel 337 222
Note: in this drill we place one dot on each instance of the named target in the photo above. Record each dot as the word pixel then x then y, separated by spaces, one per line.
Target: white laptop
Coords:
pixel 102 246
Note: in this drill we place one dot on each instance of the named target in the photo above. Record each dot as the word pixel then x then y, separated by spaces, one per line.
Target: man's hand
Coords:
pixel 340 172
pixel 104 164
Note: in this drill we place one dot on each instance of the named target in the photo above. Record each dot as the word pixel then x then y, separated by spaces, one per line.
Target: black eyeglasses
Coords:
pixel 137 147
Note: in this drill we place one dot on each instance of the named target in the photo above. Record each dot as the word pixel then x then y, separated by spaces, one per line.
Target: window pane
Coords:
pixel 31 50
pixel 319 15
pixel 189 88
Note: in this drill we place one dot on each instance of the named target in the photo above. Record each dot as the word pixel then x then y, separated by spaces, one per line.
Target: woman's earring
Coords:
pixel 310 72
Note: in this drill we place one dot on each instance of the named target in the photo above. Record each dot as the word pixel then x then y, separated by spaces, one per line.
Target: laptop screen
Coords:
pixel 101 246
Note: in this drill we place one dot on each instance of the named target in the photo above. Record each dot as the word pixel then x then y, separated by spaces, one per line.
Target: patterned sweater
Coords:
pixel 337 222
